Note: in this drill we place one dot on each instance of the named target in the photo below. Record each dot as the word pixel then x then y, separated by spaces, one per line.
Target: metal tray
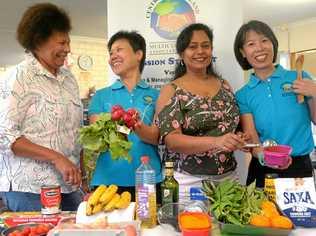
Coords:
pixel 252 230
pixel 22 226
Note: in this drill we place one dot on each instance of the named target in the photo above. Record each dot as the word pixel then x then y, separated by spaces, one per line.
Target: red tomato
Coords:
pixel 40 229
pixel 14 233
pixel 33 230
pixel 26 231
pixel 45 227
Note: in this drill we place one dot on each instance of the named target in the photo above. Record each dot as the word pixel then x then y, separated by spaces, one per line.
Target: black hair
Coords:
pixel 136 41
pixel 260 28
pixel 39 22
pixel 183 42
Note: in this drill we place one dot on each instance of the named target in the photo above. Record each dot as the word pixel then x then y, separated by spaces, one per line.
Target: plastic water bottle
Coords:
pixel 146 208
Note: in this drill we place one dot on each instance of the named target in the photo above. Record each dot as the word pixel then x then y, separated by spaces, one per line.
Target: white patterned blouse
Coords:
pixel 47 110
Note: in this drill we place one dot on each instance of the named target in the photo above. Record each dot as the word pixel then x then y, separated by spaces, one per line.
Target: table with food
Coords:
pixel 231 209
pixel 286 206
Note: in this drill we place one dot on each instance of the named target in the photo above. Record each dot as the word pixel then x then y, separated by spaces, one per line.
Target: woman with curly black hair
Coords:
pixel 40 115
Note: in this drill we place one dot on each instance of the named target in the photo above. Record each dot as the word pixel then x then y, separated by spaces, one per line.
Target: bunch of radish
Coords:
pixel 129 117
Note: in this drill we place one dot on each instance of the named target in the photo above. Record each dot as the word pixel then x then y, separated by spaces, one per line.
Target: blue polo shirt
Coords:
pixel 277 114
pixel 143 98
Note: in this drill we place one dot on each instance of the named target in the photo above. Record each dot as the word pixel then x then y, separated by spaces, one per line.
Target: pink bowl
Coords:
pixel 277 155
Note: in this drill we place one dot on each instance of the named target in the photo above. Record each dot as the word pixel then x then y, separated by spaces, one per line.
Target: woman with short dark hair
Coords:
pixel 268 103
pixel 127 51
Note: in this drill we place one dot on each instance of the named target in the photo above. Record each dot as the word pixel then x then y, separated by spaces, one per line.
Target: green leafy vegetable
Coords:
pixel 233 203
pixel 102 136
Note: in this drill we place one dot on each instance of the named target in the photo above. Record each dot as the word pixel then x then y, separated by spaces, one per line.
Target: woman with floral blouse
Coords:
pixel 198 122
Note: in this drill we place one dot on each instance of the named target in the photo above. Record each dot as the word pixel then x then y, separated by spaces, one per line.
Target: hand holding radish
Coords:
pixel 128 118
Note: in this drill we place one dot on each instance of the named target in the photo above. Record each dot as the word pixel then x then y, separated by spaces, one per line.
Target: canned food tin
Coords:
pixel 50 199
pixel 269 186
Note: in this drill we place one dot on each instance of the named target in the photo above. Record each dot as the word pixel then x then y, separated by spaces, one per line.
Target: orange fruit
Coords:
pixel 270 212
pixel 281 222
pixel 260 220
pixel 267 204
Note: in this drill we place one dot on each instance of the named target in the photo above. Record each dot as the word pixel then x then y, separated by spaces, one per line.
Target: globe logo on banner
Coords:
pixel 169 17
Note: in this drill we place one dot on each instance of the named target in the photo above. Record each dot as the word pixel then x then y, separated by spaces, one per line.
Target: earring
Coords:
pixel 181 62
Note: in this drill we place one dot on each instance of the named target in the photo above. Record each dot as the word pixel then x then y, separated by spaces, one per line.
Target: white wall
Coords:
pixel 298 36
pixel 224 16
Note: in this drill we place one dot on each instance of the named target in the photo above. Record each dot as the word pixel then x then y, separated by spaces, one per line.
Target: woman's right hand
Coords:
pixel 229 142
pixel 70 172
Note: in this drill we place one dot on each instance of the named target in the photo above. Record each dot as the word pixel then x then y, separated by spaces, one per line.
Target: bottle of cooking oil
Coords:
pixel 146 207
pixel 170 186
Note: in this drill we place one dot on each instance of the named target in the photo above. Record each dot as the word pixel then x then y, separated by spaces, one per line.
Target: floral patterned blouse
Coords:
pixel 200 116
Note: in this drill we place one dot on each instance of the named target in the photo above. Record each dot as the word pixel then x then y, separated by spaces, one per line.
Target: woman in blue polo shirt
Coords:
pixel 269 109
pixel 127 57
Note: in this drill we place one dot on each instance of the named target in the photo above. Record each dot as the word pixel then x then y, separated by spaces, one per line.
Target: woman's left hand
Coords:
pixel 305 87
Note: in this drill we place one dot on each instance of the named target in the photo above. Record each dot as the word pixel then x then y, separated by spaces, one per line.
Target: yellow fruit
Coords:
pixel 260 220
pixel 108 194
pixel 270 212
pixel 89 209
pixel 281 222
pixel 124 201
pixel 267 205
pixel 111 205
pixel 96 195
pixel 97 208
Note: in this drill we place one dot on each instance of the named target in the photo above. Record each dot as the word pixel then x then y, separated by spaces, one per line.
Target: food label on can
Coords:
pixel 50 199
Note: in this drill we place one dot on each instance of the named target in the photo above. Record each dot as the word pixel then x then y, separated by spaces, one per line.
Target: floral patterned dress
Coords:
pixel 200 116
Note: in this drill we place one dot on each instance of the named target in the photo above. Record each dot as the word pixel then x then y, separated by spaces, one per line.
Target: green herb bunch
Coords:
pixel 103 136
pixel 233 203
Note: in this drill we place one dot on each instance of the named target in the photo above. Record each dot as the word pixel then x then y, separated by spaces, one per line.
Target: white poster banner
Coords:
pixel 160 22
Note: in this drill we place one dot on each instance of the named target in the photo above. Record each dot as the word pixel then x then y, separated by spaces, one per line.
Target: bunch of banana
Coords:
pixel 107 199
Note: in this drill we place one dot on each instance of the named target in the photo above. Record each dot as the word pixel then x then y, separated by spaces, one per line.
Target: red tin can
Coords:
pixel 50 199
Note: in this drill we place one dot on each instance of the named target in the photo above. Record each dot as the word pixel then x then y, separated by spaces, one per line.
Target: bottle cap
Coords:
pixel 169 164
pixel 144 159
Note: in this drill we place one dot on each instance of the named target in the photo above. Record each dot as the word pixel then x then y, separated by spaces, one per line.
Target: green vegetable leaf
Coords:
pixel 233 203
pixel 102 136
